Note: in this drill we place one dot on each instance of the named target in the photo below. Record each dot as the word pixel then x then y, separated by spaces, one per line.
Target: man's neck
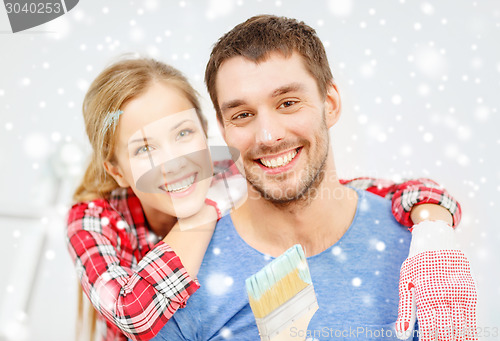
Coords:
pixel 316 225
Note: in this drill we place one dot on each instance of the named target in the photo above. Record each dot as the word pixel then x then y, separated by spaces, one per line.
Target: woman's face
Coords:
pixel 162 152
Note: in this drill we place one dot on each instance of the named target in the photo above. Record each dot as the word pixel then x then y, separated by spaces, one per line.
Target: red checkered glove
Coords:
pixel 436 285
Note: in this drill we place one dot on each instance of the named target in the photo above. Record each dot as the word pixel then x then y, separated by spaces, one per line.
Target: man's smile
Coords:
pixel 278 163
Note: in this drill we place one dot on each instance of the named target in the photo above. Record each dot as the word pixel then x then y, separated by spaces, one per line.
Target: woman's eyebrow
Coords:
pixel 145 139
pixel 180 123
pixel 142 139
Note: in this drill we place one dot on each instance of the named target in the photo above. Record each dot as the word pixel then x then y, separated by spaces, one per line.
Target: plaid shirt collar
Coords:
pixel 127 204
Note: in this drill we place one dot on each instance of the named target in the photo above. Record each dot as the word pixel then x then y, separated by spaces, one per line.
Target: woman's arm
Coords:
pixel 138 301
pixel 189 238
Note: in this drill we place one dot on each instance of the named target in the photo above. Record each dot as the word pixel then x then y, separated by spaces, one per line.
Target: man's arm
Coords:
pixel 423 212
pixel 434 266
pixel 413 201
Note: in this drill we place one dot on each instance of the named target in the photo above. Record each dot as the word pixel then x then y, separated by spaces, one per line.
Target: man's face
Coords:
pixel 273 113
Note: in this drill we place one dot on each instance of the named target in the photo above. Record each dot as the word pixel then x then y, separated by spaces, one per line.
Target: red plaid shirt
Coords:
pixel 136 282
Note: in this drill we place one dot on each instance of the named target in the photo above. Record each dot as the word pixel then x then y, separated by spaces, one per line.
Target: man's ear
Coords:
pixel 333 105
pixel 116 172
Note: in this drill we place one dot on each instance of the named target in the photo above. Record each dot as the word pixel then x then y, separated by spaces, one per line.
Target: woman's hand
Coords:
pixel 189 238
pixel 201 220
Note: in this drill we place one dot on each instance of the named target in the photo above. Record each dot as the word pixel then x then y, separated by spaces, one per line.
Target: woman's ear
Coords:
pixel 116 172
pixel 333 105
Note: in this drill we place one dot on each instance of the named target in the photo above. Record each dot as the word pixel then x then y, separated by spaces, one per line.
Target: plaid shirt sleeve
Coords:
pixel 408 194
pixel 225 168
pixel 138 302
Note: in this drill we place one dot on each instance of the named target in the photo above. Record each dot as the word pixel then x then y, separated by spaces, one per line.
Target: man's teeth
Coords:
pixel 181 185
pixel 279 161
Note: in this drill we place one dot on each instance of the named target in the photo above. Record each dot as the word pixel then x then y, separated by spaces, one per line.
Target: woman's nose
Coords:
pixel 173 165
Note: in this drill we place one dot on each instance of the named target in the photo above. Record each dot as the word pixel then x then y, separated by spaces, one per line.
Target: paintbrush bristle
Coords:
pixel 278 282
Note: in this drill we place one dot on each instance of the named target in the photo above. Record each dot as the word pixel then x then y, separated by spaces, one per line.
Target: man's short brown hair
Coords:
pixel 259 36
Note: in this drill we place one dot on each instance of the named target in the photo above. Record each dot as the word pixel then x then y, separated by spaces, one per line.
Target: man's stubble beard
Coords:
pixel 307 185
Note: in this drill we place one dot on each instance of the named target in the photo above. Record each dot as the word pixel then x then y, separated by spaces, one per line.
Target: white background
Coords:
pixel 420 83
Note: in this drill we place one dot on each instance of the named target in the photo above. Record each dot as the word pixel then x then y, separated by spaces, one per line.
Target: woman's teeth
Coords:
pixel 181 185
pixel 279 161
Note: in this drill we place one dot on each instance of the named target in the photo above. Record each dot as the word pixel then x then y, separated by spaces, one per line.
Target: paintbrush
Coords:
pixel 282 296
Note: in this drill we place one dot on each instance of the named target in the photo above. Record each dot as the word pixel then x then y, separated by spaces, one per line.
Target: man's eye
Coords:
pixel 287 104
pixel 241 116
pixel 143 149
pixel 184 133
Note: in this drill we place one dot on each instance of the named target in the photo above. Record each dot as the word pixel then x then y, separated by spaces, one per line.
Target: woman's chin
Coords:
pixel 187 205
pixel 185 214
pixel 188 208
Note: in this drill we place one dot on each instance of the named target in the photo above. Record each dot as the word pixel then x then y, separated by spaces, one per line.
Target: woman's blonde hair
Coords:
pixel 108 93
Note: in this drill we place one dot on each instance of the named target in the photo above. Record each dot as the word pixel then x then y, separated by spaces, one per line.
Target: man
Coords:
pixel 275 99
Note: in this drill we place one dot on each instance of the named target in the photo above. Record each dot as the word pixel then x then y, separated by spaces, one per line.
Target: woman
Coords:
pixel 148 178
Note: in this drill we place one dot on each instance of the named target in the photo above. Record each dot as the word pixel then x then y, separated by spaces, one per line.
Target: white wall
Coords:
pixel 420 84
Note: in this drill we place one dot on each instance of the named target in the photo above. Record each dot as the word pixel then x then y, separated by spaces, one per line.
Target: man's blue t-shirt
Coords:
pixel 355 280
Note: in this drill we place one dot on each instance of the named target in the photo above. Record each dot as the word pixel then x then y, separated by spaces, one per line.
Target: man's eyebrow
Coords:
pixel 278 92
pixel 232 104
pixel 287 88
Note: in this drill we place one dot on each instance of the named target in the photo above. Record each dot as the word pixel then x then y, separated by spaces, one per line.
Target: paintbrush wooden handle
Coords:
pixel 297 330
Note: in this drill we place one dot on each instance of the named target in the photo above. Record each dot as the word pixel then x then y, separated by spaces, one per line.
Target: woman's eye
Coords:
pixel 184 133
pixel 287 104
pixel 143 149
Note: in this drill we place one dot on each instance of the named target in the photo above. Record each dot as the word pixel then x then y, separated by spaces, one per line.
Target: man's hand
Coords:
pixel 436 287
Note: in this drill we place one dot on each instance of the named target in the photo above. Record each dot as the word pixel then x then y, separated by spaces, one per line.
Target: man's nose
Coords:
pixel 270 128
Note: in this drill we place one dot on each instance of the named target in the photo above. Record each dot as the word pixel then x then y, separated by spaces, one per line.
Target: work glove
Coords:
pixel 436 287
